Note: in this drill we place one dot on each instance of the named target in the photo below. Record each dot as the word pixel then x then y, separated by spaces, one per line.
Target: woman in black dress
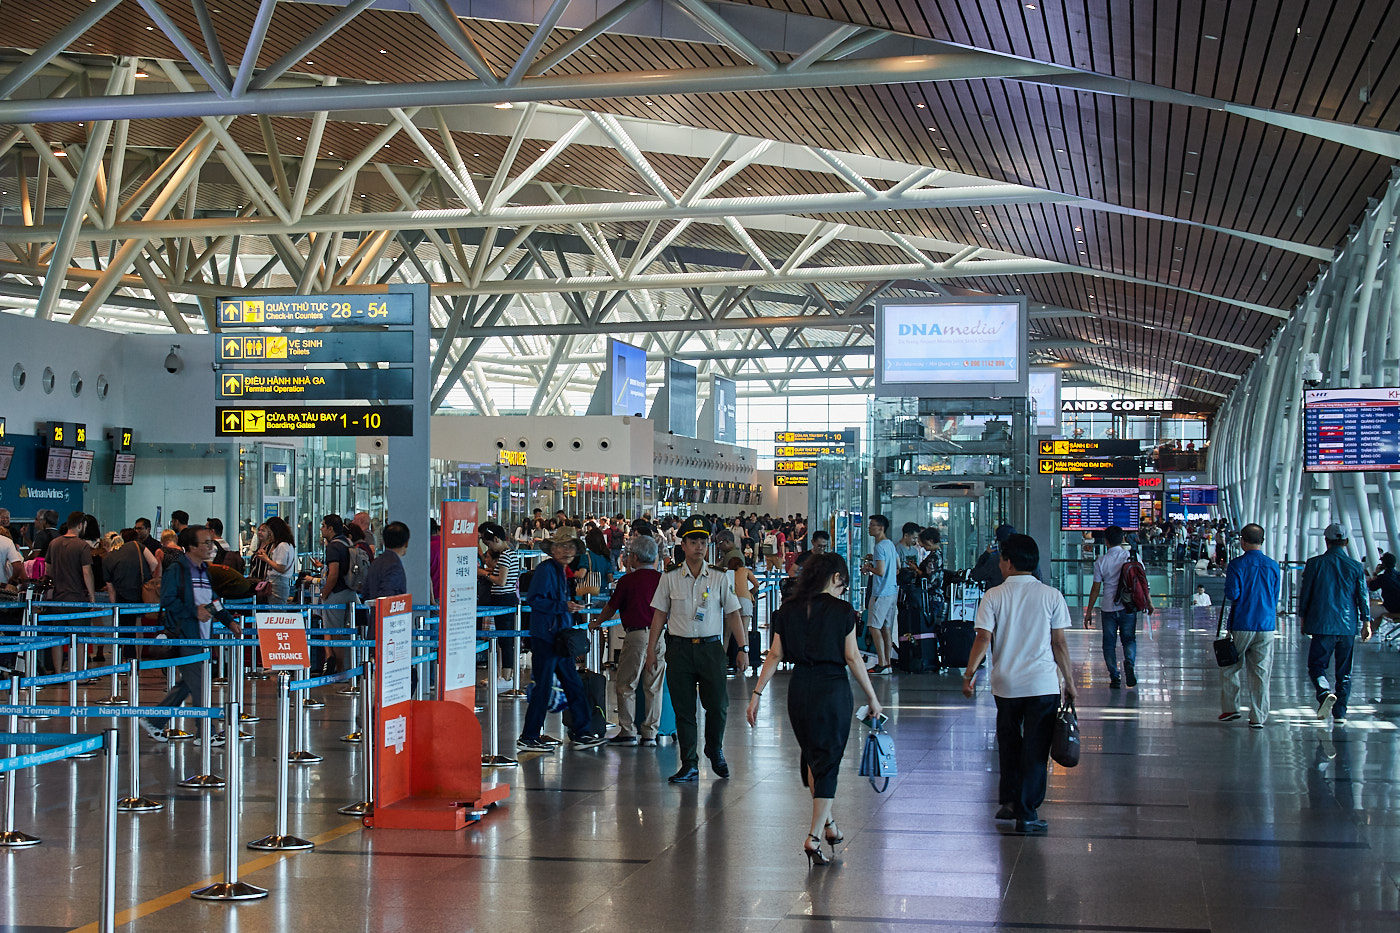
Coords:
pixel 816 631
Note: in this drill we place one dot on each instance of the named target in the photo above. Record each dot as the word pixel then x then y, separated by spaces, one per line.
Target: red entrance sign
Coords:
pixel 282 641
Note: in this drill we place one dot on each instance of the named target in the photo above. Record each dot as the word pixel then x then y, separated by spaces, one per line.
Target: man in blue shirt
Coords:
pixel 386 575
pixel 882 568
pixel 1251 589
pixel 1333 604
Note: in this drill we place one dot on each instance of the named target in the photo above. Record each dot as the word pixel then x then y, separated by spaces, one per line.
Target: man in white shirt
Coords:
pixel 1023 621
pixel 695 604
pixel 11 573
pixel 1117 624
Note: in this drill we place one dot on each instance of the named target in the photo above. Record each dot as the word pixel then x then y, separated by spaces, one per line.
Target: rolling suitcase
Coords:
pixel 595 688
pixel 955 645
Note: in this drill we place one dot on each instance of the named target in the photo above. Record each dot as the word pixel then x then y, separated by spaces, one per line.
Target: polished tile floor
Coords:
pixel 1173 822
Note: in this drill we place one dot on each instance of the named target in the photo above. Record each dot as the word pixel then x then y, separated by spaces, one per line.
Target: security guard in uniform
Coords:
pixel 694 603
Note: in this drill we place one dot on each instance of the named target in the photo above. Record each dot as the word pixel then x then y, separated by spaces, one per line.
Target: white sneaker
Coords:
pixel 1324 708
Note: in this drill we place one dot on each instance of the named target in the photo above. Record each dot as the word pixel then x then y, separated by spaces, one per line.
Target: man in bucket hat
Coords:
pixel 695 603
pixel 1333 604
pixel 551 611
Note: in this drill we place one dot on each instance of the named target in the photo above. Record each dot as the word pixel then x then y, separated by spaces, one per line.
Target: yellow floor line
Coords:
pixel 244 869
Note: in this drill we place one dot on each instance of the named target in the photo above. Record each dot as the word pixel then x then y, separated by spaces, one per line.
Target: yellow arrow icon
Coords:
pixel 233 385
pixel 233 348
pixel 231 420
pixel 1047 447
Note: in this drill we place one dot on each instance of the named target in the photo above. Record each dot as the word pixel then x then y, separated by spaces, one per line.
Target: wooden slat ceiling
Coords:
pixel 1334 60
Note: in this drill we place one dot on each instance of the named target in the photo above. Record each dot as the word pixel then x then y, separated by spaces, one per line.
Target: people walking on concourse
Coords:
pixel 1251 590
pixel 695 604
pixel 1117 623
pixel 1333 605
pixel 631 600
pixel 1022 622
pixel 815 630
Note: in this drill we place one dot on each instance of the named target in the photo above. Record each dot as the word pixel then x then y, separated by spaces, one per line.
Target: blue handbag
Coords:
pixel 877 758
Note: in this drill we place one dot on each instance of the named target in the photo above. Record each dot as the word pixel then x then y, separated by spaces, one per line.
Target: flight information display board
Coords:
pixel 123 469
pixel 1348 430
pixel 80 466
pixel 1200 494
pixel 7 454
pixel 1097 509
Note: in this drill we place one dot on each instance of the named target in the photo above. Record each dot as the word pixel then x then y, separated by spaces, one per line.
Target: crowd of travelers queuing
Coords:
pixel 686 593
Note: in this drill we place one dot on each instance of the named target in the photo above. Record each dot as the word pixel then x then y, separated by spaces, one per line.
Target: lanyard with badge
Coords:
pixel 704 599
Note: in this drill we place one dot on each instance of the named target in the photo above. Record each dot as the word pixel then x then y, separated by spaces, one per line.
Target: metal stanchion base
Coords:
pixel 115 699
pixel 350 737
pixel 249 717
pixel 313 703
pixel 219 682
pixel 223 891
pixel 33 717
pixel 303 758
pixel 514 695
pixel 363 808
pixel 15 839
pixel 87 755
pixel 498 761
pixel 178 735
pixel 245 736
pixel 204 782
pixel 351 691
pixel 138 805
pixel 276 843
pixel 259 674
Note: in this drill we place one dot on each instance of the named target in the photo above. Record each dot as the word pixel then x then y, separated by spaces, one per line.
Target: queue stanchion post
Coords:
pixel 365 806
pixel 115 698
pixel 231 889
pixel 135 802
pixel 11 838
pixel 308 700
pixel 242 689
pixel 356 724
pixel 302 755
pixel 174 732
pixel 235 673
pixel 206 779
pixel 107 916
pixel 73 694
pixel 352 686
pixel 515 693
pixel 493 757
pixel 280 839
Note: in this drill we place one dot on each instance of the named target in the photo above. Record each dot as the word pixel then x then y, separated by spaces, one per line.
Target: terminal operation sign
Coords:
pixel 394 346
pixel 315 310
pixel 294 384
pixel 315 421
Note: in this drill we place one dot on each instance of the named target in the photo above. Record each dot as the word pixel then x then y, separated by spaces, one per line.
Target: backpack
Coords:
pixel 1132 592
pixel 770 543
pixel 356 568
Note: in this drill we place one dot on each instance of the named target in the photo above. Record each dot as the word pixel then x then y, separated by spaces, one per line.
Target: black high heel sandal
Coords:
pixel 833 833
pixel 815 856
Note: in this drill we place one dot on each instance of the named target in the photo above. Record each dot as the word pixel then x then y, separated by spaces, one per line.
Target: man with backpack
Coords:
pixel 1118 619
pixel 343 576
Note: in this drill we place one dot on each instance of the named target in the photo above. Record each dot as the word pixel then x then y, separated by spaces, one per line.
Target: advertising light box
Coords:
pixel 1044 390
pixel 628 368
pixel 951 348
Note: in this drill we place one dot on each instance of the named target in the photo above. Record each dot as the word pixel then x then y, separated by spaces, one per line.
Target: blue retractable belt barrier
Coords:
pixel 172 642
pixel 75 616
pixel 175 662
pixel 81 747
pixel 425 658
pixel 37 644
pixel 342 642
pixel 49 679
pixel 40 629
pixel 42 738
pixel 338 677
pixel 99 712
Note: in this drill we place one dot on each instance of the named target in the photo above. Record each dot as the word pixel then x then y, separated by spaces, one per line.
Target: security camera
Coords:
pixel 173 363
pixel 1312 369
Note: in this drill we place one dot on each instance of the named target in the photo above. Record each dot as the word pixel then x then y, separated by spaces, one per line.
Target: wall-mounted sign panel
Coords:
pixel 1130 406
pixel 794 466
pixel 724 398
pixel 393 346
pixel 1348 430
pixel 314 421
pixel 790 479
pixel 815 437
pixel 681 389
pixel 294 384
pixel 1098 509
pixel 315 310
pixel 1043 387
pixel 808 451
pixel 950 348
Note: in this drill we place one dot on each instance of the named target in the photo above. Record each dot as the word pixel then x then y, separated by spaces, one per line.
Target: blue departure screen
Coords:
pixel 1346 430
pixel 1200 495
pixel 1096 509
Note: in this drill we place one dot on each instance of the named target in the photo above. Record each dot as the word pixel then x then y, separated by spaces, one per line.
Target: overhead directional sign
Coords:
pixel 1117 466
pixel 315 310
pixel 837 451
pixel 395 346
pixel 814 437
pixel 296 384
pixel 794 466
pixel 790 479
pixel 1082 448
pixel 314 421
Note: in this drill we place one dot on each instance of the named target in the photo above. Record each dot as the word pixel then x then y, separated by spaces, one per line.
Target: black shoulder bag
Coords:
pixel 1226 654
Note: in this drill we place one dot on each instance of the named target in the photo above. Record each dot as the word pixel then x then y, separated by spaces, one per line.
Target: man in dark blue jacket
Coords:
pixel 386 575
pixel 185 597
pixel 1333 604
pixel 551 611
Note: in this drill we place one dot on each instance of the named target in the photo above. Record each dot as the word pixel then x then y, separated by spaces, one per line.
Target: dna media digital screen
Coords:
pixel 951 348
